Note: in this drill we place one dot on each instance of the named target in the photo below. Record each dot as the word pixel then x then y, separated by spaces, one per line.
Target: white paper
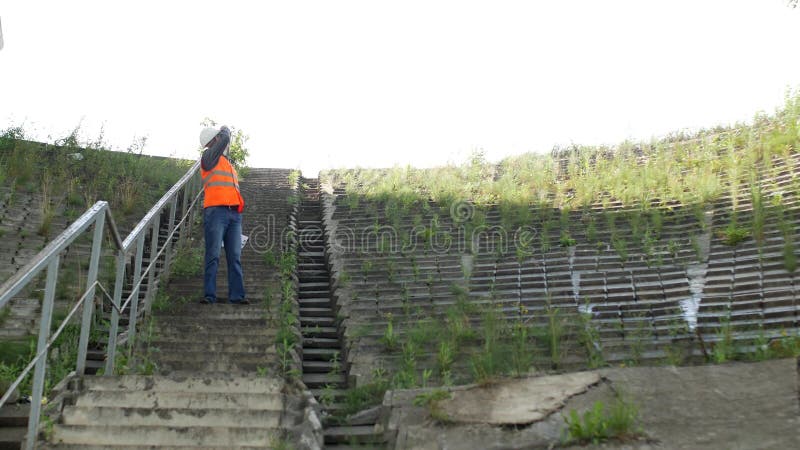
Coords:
pixel 244 241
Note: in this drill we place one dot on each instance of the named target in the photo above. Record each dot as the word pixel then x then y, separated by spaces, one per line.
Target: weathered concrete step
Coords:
pixel 310 254
pixel 321 354
pixel 210 383
pixel 312 272
pixel 216 339
pixel 370 446
pixel 135 447
pixel 322 321
pixel 309 285
pixel 313 276
pixel 158 436
pixel 364 434
pixel 323 302
pixel 336 394
pixel 235 359
pixel 171 366
pixel 183 417
pixel 313 293
pixel 11 437
pixel 316 312
pixel 321 380
pixel 320 332
pixel 196 400
pixel 205 330
pixel 319 366
pixel 320 342
pixel 222 311
pixel 205 319
pixel 14 415
pixel 213 346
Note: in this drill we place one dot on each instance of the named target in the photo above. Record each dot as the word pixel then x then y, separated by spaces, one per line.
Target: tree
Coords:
pixel 238 152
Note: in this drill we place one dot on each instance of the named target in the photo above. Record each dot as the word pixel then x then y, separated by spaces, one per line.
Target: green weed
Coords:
pixel 598 425
pixel 724 347
pixel 432 400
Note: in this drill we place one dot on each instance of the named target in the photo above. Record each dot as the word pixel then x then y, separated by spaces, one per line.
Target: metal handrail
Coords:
pixel 24 275
pixel 53 338
pixel 50 256
pixel 155 258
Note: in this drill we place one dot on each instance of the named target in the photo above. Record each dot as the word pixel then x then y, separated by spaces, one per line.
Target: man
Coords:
pixel 222 215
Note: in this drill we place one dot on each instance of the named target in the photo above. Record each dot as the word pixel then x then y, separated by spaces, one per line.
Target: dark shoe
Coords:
pixel 207 301
pixel 243 301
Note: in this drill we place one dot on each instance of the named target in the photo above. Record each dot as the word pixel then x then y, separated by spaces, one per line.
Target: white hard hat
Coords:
pixel 207 135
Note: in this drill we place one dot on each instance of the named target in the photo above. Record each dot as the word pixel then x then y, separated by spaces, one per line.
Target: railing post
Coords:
pixel 170 227
pixel 151 275
pixel 195 183
pixel 111 351
pixel 41 364
pixel 88 305
pixel 184 205
pixel 137 276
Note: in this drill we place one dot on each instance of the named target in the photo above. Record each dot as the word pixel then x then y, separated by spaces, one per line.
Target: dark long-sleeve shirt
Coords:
pixel 211 154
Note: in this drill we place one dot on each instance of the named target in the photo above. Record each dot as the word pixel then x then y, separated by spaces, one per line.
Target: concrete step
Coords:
pixel 364 434
pixel 244 360
pixel 315 312
pixel 177 400
pixel 206 383
pixel 210 320
pixel 14 415
pixel 322 321
pixel 320 342
pixel 222 311
pixel 260 346
pixel 219 340
pixel 183 417
pixel 198 330
pixel 322 302
pixel 158 436
pixel 321 380
pixel 321 354
pixel 320 332
pixel 11 437
pixel 370 446
pixel 310 366
pixel 313 293
pixel 43 446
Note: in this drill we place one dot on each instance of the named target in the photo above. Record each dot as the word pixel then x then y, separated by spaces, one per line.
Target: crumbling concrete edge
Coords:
pixel 310 434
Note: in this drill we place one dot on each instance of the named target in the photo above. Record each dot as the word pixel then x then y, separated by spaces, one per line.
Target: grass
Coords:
pixel 678 168
pixel 619 421
pixel 431 400
pixel 724 348
pixel 188 263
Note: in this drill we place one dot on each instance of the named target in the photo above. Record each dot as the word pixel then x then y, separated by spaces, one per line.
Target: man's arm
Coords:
pixel 211 154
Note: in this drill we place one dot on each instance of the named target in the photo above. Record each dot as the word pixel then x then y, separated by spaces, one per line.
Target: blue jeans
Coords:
pixel 222 224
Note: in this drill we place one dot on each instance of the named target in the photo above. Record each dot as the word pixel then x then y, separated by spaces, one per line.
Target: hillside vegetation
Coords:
pixel 678 169
pixel 43 189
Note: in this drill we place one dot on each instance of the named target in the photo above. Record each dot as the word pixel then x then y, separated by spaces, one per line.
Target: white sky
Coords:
pixel 321 84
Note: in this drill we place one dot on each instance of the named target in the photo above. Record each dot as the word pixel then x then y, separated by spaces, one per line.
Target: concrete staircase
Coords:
pixel 324 369
pixel 215 382
pixel 203 411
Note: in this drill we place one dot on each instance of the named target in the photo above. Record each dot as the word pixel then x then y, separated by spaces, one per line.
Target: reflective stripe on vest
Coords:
pixel 222 173
pixel 221 185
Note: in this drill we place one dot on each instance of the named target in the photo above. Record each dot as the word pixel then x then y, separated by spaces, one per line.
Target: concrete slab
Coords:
pixel 731 406
pixel 516 401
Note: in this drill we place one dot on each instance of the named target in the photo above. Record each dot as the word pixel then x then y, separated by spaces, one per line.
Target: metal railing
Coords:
pixel 188 191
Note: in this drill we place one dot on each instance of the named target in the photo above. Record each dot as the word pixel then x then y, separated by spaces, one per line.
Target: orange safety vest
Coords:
pixel 221 185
